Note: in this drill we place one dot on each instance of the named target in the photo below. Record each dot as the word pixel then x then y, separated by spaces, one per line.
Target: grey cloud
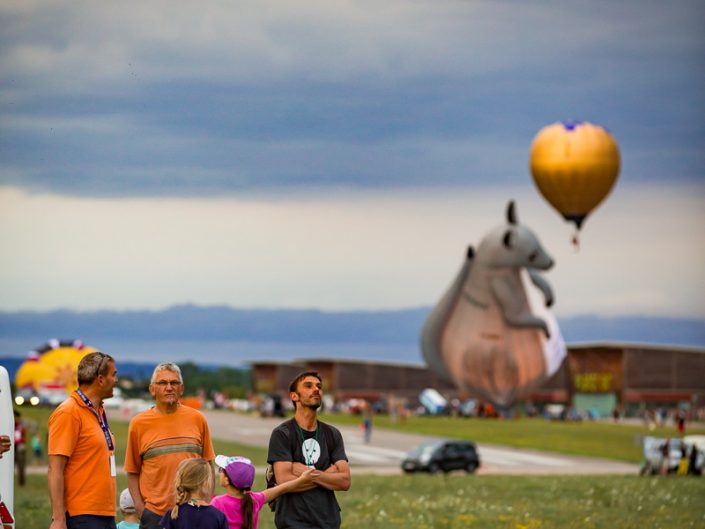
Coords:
pixel 121 99
pixel 331 41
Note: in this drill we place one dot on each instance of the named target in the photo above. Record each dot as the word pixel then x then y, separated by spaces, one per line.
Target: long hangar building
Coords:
pixel 594 376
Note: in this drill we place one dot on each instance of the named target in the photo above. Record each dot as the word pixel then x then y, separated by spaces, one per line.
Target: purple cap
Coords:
pixel 240 470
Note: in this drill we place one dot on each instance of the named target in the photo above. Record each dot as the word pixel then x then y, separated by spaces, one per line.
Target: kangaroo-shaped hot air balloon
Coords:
pixel 489 334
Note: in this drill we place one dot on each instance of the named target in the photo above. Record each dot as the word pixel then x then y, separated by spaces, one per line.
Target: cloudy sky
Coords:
pixel 339 154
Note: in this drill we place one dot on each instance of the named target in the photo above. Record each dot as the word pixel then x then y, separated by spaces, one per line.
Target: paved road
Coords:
pixel 387 448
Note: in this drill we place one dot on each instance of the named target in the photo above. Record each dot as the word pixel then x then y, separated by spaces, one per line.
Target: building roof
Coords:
pixel 338 360
pixel 636 345
pixel 420 365
pixel 273 362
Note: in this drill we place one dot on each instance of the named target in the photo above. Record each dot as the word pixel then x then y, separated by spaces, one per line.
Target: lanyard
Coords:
pixel 103 423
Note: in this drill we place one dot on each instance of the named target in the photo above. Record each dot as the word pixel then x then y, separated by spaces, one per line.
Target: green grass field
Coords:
pixel 459 501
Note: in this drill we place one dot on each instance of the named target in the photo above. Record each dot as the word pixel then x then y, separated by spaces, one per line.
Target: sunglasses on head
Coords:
pixel 101 364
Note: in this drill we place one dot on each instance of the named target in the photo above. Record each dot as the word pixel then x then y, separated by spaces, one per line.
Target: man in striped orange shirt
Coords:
pixel 158 440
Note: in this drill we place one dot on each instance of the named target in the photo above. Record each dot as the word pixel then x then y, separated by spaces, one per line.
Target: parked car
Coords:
pixel 442 456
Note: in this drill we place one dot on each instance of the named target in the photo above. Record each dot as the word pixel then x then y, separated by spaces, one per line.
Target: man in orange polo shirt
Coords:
pixel 82 451
pixel 158 440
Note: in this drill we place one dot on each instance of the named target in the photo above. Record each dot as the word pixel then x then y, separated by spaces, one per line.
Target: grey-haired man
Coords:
pixel 158 440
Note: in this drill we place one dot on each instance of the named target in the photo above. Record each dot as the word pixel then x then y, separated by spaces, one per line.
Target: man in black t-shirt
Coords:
pixel 305 442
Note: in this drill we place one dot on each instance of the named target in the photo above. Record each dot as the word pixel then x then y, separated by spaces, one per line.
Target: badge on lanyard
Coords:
pixel 104 427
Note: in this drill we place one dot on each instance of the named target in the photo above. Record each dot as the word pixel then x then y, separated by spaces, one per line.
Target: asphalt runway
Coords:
pixel 384 453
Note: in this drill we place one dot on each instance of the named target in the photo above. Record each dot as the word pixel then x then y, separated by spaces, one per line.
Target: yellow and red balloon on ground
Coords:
pixel 574 164
pixel 52 366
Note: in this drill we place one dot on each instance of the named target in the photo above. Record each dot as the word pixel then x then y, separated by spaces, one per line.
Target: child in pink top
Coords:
pixel 240 505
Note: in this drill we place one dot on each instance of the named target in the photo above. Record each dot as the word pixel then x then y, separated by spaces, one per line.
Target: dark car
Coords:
pixel 442 456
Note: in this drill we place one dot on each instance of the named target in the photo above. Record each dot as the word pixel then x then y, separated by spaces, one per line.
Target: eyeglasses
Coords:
pixel 165 383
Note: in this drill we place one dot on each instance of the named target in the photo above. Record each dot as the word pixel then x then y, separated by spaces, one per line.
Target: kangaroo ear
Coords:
pixel 511 213
pixel 507 240
pixel 471 252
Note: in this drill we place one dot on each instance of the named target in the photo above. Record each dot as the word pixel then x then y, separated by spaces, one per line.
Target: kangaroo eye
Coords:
pixel 533 256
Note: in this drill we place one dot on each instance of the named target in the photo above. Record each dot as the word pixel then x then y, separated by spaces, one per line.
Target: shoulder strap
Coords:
pixel 293 439
pixel 328 434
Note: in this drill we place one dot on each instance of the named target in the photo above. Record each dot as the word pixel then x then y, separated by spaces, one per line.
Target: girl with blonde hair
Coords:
pixel 195 484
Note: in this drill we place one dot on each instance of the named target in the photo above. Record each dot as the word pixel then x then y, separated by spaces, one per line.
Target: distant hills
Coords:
pixel 230 336
pixel 190 322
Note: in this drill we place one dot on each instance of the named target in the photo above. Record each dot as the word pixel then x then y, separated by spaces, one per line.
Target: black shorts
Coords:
pixel 150 520
pixel 89 521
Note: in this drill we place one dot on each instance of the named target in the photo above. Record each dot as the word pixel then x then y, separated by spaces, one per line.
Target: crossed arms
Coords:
pixel 335 477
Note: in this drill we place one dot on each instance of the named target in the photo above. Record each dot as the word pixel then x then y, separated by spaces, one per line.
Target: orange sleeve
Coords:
pixel 63 430
pixel 133 460
pixel 208 452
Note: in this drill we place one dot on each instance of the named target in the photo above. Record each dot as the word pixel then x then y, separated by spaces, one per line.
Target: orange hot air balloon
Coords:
pixel 574 165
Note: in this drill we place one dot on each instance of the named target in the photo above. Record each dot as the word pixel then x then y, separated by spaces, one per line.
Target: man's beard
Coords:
pixel 313 405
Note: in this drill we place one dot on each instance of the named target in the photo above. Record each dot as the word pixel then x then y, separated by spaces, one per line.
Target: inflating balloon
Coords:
pixel 488 334
pixel 574 165
pixel 54 365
